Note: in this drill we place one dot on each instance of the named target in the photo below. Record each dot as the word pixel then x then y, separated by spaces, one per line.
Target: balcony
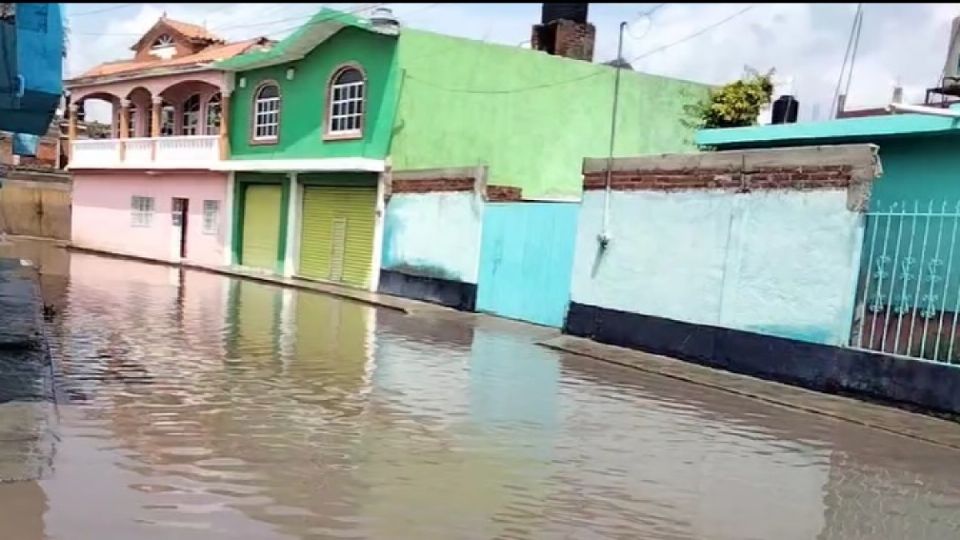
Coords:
pixel 187 152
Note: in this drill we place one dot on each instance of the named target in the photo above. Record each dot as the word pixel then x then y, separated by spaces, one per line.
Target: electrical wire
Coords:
pixel 262 23
pixel 584 77
pixel 505 91
pixel 104 10
pixel 698 33
pixel 644 15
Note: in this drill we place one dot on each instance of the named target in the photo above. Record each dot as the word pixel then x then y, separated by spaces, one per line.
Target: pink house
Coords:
pixel 150 189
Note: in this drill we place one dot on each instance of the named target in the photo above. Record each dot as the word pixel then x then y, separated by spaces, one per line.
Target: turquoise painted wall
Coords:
pixel 922 169
pixel 529 116
pixel 781 263
pixel 526 260
pixel 433 235
pixel 303 101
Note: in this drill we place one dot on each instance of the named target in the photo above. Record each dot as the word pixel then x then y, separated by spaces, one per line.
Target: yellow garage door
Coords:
pixel 261 226
pixel 336 234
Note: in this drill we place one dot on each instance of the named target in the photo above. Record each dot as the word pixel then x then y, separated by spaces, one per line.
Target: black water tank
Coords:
pixel 570 12
pixel 785 110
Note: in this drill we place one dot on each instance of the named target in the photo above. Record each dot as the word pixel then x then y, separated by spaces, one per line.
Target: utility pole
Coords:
pixel 604 238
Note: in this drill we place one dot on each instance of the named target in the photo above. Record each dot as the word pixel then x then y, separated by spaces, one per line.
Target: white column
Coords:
pixel 294 204
pixel 381 212
pixel 227 220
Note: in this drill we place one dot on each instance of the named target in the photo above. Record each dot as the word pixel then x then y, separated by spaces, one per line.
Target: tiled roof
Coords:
pixel 324 24
pixel 192 31
pixel 210 54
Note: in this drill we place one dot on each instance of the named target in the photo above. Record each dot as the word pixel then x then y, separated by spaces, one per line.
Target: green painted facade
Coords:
pixel 529 116
pixel 304 100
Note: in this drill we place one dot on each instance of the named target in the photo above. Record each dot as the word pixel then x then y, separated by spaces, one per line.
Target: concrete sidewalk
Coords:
pixel 886 418
pixel 27 409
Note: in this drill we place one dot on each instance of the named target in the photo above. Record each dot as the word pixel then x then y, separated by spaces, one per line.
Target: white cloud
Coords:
pixel 805 41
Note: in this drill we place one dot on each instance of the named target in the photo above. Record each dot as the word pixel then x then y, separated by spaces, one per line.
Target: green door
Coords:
pixel 336 236
pixel 261 226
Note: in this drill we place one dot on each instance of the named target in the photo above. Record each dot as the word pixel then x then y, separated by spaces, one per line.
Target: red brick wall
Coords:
pixel 503 194
pixel 781 177
pixel 448 184
pixel 46 153
pixel 432 185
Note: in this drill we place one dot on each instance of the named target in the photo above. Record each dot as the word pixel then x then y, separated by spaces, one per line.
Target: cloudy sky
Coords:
pixel 806 42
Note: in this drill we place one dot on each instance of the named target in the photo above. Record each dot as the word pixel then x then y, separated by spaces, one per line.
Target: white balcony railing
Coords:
pixel 186 152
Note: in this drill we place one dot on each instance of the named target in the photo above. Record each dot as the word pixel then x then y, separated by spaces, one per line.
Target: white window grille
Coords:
pixel 141 211
pixel 211 217
pixel 266 121
pixel 345 115
pixel 191 115
pixel 214 105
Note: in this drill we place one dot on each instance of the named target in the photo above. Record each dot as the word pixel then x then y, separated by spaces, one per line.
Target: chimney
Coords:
pixel 564 31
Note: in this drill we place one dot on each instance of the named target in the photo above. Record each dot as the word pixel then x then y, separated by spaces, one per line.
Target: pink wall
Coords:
pixel 102 216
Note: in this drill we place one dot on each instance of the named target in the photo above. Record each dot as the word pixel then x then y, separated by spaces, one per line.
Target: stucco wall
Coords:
pixel 777 262
pixel 766 241
pixel 102 219
pixel 434 234
pixel 529 116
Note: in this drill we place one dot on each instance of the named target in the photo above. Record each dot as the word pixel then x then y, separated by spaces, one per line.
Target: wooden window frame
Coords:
pixel 197 130
pixel 206 113
pixel 328 104
pixel 251 139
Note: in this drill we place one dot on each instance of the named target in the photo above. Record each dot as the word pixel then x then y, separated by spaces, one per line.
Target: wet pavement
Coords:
pixel 192 405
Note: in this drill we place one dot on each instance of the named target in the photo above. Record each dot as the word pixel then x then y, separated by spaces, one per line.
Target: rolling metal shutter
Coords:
pixel 261 226
pixel 336 235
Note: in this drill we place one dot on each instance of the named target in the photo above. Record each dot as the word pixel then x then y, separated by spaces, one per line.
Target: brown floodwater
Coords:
pixel 195 406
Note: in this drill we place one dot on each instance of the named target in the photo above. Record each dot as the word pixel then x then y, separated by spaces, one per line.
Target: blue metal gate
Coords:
pixel 526 260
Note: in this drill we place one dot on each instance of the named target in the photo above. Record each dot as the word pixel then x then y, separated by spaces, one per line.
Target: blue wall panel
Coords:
pixel 526 260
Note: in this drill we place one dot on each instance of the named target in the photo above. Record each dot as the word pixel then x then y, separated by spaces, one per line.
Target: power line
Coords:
pixel 509 90
pixel 104 10
pixel 262 23
pixel 588 76
pixel 695 34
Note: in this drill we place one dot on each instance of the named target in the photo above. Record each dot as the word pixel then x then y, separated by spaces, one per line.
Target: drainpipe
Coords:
pixel 604 237
pixel 920 109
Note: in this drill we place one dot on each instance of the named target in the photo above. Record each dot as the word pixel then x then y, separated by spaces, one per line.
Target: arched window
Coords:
pixel 346 97
pixel 163 41
pixel 168 119
pixel 266 117
pixel 191 115
pixel 212 124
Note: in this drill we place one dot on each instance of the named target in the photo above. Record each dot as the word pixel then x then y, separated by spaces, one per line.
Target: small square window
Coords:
pixel 211 217
pixel 141 209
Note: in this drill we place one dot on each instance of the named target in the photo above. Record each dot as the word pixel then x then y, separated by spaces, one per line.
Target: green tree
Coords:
pixel 736 104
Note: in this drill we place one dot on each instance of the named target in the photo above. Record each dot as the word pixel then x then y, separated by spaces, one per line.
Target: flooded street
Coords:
pixel 195 406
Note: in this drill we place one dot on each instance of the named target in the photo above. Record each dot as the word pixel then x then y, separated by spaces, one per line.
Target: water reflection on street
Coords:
pixel 197 406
